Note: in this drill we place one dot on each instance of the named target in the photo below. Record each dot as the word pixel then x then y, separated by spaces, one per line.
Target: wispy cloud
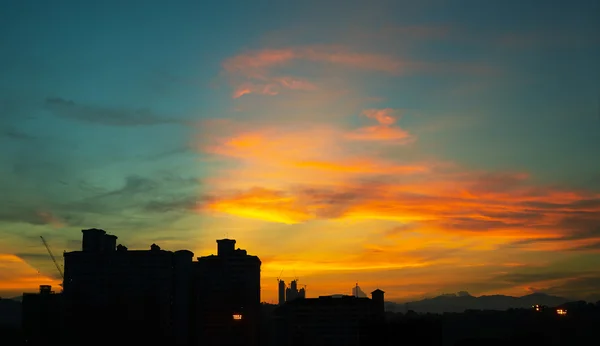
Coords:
pixel 255 64
pixel 17 135
pixel 106 116
pixel 257 72
pixel 160 197
pixel 384 131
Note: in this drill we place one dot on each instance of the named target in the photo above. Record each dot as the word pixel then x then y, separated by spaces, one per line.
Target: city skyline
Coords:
pixel 417 148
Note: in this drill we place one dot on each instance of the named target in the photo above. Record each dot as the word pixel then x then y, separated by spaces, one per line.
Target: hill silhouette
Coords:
pixel 462 301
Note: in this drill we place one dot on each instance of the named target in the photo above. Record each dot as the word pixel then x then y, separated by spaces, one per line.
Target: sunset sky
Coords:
pixel 420 147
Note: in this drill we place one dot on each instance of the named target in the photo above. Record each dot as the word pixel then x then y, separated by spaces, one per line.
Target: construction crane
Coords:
pixel 60 271
pixel 279 277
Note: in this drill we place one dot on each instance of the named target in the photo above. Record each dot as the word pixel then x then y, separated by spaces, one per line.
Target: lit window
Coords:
pixel 561 312
pixel 237 316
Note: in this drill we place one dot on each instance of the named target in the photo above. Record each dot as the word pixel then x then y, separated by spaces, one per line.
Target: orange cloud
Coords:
pixel 385 131
pixel 16 276
pixel 253 72
pixel 380 133
pixel 250 88
pixel 383 116
pixel 254 63
pixel 361 166
pixel 293 176
pixel 273 87
pixel 262 204
pixel 295 146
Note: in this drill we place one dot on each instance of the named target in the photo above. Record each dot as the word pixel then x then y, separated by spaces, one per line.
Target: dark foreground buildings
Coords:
pixel 43 319
pixel 113 295
pixel 330 321
pixel 116 296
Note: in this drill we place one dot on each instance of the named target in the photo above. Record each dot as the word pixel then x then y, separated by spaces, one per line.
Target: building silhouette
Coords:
pixel 227 296
pixel 128 290
pixel 281 291
pixel 293 293
pixel 329 320
pixel 156 296
pixel 357 292
pixel 42 317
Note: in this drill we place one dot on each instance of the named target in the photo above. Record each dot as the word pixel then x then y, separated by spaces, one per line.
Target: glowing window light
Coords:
pixel 237 316
pixel 561 312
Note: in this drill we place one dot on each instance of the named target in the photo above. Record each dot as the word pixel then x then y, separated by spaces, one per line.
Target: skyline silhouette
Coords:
pixel 445 302
pixel 166 297
pixel 420 147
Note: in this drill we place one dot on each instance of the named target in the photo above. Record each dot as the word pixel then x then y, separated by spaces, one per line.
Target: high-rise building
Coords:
pixel 131 291
pixel 114 295
pixel 281 287
pixel 227 295
pixel 293 293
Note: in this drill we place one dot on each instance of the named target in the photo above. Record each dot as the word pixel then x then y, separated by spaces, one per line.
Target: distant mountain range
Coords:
pixel 464 301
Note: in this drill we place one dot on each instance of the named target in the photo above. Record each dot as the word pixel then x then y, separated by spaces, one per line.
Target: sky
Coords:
pixel 417 147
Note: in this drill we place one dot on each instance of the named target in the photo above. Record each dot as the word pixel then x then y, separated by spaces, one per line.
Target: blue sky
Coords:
pixel 182 122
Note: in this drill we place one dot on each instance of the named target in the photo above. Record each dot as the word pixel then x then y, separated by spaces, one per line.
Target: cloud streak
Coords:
pixel 257 72
pixel 164 196
pixel 384 131
pixel 255 63
pixel 106 116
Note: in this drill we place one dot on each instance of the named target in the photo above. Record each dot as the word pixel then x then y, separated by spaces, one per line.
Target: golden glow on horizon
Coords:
pixel 17 276
pixel 390 215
